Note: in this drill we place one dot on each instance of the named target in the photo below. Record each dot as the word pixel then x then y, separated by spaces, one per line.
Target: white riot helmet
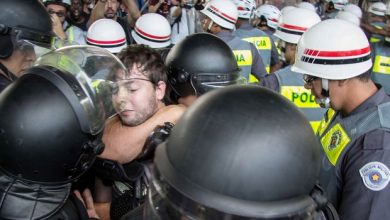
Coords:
pixel 354 9
pixel 271 14
pixel 108 34
pixel 348 16
pixel 222 12
pixel 294 23
pixel 338 4
pixel 245 8
pixel 333 49
pixel 152 29
pixel 286 9
pixel 378 8
pixel 65 3
pixel 307 5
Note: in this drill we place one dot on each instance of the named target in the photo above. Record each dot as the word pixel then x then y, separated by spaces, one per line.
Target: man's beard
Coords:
pixel 144 115
pixel 110 14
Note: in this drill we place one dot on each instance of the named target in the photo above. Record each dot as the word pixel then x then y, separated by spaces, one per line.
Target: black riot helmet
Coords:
pixel 199 63
pixel 23 20
pixel 242 152
pixel 53 116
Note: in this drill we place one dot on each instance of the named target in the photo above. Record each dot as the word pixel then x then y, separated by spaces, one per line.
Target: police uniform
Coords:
pixel 248 59
pixel 290 85
pixel 381 65
pixel 356 159
pixel 376 38
pixel 263 43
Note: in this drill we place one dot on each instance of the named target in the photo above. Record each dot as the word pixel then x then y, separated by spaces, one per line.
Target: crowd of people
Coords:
pixel 177 109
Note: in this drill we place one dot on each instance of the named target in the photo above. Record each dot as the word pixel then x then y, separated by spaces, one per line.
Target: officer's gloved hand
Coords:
pixel 159 135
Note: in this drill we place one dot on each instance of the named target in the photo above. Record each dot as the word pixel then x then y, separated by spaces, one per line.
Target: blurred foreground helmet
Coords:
pixel 199 63
pixel 23 20
pixel 219 163
pixel 270 13
pixel 294 23
pixel 53 116
pixel 333 49
pixel 224 13
pixel 152 29
pixel 108 34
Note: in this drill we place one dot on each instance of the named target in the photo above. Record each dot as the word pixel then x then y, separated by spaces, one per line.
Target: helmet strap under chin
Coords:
pixel 209 27
pixel 324 102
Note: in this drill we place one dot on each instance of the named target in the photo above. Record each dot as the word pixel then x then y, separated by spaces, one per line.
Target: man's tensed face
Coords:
pixel 110 8
pixel 135 97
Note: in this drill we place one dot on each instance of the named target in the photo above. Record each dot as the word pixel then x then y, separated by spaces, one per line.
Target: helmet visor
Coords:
pixel 205 82
pixel 94 68
pixel 165 202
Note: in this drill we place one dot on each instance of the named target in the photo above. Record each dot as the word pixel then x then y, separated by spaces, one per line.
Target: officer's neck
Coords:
pixel 356 93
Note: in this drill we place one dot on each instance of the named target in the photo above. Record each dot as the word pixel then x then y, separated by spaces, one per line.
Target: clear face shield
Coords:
pixel 94 69
pixel 41 43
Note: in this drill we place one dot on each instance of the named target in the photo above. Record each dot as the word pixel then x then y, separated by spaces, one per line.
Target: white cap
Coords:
pixel 307 5
pixel 354 9
pixel 294 23
pixel 333 49
pixel 348 16
pixel 152 29
pixel 108 34
pixel 378 8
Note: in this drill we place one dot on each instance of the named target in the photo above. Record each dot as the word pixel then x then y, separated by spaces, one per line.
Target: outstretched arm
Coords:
pixel 124 143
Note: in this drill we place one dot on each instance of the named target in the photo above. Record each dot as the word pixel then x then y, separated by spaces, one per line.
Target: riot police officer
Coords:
pixel 199 63
pixel 335 55
pixel 51 123
pixel 23 24
pixel 241 152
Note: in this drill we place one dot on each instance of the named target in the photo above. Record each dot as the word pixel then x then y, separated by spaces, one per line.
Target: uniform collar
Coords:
pixel 225 35
pixel 379 97
pixel 246 26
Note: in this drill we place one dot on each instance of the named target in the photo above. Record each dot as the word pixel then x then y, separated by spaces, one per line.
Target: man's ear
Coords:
pixel 343 82
pixel 160 90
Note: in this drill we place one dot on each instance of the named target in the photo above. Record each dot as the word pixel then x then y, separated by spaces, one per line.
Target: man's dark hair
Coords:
pixel 147 60
pixel 364 77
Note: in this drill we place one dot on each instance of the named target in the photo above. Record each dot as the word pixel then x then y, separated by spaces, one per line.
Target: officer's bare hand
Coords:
pixel 87 200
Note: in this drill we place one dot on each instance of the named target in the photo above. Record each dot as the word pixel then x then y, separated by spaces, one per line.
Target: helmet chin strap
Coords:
pixel 209 27
pixel 324 102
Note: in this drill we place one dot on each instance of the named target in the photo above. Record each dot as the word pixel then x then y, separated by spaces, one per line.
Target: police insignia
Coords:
pixel 375 175
pixel 334 140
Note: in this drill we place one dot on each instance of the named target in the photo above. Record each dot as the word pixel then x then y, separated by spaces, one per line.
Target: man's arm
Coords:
pixel 124 143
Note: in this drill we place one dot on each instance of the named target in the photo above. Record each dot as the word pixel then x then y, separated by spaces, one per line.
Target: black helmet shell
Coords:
pixel 243 150
pixel 200 62
pixel 41 139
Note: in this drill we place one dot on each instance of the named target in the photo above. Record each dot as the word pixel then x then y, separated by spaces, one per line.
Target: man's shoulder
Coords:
pixel 378 139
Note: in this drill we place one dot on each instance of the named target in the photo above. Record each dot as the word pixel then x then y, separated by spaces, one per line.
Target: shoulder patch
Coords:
pixel 375 175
